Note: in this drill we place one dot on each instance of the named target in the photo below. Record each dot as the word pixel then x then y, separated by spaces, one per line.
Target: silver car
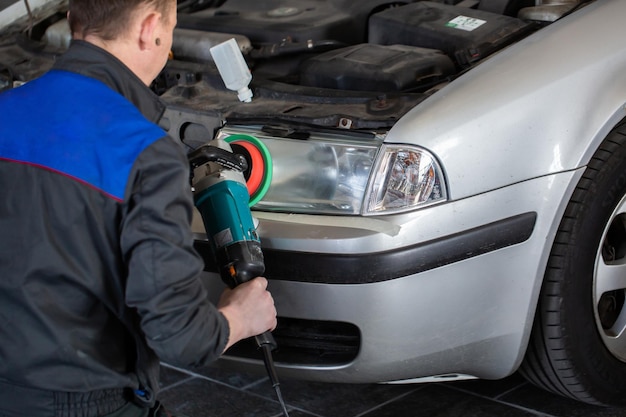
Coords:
pixel 445 182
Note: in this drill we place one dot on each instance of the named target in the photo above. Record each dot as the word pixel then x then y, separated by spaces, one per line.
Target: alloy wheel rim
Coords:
pixel 609 284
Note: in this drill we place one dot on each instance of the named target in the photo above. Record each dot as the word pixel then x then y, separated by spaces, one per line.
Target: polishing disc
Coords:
pixel 259 173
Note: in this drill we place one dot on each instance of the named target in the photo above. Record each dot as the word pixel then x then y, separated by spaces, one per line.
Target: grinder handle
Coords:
pixel 210 153
pixel 266 339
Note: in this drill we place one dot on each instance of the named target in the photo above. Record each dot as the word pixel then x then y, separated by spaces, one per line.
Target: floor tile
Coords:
pixel 229 376
pixel 333 400
pixel 217 392
pixel 531 396
pixel 204 398
pixel 440 401
pixel 170 376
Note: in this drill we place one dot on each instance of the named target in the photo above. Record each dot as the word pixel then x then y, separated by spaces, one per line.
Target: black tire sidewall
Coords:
pixel 600 190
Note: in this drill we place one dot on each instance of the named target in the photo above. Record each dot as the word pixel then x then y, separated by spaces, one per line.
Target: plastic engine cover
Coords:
pixel 368 67
pixel 464 34
pixel 277 21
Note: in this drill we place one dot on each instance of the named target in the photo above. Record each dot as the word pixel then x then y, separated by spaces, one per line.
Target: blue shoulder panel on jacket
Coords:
pixel 76 126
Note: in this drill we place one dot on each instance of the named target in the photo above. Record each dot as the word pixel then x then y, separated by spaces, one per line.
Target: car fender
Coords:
pixel 540 107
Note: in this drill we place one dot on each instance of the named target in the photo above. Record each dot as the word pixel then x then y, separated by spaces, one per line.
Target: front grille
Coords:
pixel 308 343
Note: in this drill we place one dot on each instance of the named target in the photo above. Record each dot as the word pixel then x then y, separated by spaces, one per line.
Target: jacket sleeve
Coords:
pixel 163 283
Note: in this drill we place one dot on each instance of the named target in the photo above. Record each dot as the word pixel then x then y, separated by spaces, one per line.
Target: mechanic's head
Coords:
pixel 138 32
pixel 108 19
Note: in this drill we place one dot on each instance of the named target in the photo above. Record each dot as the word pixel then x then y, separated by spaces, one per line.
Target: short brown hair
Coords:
pixel 107 18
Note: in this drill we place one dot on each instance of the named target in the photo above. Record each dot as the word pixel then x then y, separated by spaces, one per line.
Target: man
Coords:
pixel 99 279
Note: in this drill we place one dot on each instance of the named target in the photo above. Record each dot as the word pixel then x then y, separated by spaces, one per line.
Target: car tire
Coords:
pixel 577 345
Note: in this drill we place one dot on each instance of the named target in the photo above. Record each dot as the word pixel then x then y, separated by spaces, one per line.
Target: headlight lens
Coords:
pixel 404 178
pixel 330 174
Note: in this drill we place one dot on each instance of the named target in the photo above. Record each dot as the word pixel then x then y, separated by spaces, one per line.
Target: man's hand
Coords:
pixel 249 309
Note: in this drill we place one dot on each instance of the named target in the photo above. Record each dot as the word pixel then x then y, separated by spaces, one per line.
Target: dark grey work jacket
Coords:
pixel 98 275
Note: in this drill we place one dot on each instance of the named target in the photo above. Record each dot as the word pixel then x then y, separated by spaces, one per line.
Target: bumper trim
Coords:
pixel 330 268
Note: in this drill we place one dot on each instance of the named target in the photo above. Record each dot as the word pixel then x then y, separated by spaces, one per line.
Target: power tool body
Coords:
pixel 222 198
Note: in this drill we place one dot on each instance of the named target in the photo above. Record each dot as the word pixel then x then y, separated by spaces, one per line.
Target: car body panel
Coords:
pixel 495 115
pixel 478 308
pixel 473 317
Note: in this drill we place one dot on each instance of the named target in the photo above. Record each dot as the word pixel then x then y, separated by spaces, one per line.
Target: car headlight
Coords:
pixel 349 174
pixel 405 177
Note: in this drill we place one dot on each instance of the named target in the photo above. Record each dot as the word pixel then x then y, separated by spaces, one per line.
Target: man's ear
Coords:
pixel 67 17
pixel 148 30
pixel 69 22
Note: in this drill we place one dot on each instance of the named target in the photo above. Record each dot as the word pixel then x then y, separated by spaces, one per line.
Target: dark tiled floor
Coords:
pixel 213 392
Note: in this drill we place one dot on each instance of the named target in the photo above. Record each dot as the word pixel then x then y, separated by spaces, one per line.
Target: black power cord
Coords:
pixel 271 372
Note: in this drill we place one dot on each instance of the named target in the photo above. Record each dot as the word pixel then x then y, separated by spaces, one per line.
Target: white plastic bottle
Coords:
pixel 233 68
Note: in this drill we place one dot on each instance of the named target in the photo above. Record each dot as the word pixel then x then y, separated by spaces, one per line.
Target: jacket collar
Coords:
pixel 89 60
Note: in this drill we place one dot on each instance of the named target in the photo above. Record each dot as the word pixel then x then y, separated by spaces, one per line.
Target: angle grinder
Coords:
pixel 224 197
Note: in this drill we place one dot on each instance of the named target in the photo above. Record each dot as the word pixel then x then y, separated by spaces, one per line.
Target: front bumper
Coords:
pixel 449 290
pixel 334 268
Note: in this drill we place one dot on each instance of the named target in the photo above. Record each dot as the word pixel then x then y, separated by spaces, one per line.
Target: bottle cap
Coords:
pixel 245 94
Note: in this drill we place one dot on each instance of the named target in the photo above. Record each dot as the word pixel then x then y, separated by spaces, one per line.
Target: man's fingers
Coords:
pixel 261 281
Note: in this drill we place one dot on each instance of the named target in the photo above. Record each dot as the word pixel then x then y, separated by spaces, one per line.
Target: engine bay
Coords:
pixel 333 64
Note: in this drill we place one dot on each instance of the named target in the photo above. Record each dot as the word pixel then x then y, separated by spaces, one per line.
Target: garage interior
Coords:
pixel 215 392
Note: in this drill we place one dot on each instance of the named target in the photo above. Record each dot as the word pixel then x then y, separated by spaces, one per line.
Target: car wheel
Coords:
pixel 578 341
